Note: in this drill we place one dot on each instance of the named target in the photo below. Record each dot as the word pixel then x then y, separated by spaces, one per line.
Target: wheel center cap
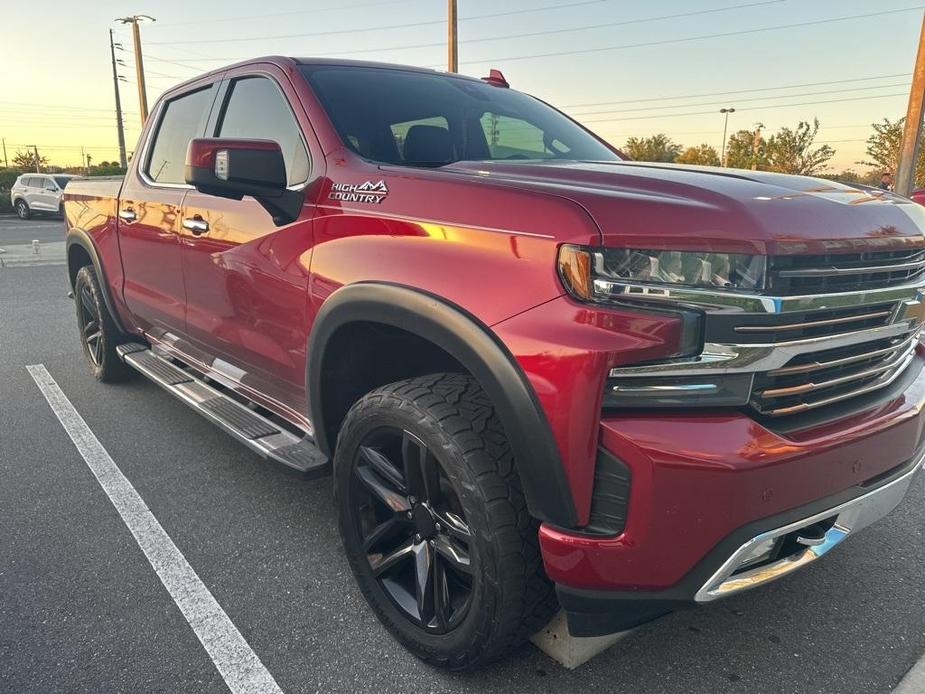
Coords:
pixel 424 521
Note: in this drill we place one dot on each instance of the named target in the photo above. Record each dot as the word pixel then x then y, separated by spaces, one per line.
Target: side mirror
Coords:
pixel 230 168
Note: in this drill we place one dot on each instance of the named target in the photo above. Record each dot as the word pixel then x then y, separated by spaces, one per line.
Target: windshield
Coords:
pixel 423 119
pixel 62 181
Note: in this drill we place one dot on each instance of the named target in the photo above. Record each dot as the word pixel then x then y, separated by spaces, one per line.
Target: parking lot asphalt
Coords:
pixel 82 610
pixel 15 231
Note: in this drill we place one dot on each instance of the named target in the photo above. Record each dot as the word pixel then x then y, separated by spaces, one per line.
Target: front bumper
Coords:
pixel 708 488
pixel 594 613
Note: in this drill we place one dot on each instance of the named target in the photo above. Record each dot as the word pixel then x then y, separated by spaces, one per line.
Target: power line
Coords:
pixel 282 14
pixel 689 39
pixel 56 106
pixel 748 108
pixel 603 25
pixel 738 91
pixel 405 25
pixel 738 101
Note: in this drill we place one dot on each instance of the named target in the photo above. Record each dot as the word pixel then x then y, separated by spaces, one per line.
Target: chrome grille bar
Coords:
pixel 833 363
pixel 811 324
pixel 858 270
pixel 882 381
pixel 810 386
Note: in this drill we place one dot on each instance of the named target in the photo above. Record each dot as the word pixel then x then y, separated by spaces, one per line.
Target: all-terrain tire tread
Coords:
pixel 465 413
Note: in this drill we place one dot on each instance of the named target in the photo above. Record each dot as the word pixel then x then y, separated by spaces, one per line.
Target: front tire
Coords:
pixel 22 209
pixel 434 521
pixel 98 332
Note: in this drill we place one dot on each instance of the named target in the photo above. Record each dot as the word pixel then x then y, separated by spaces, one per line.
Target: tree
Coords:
pixel 791 150
pixel 704 155
pixel 746 149
pixel 26 160
pixel 883 148
pixel 656 148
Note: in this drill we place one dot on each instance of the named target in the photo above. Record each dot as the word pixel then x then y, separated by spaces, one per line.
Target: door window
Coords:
pixel 256 109
pixel 182 119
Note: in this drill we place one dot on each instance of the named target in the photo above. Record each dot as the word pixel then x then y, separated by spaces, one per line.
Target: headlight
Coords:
pixel 603 274
pixel 593 273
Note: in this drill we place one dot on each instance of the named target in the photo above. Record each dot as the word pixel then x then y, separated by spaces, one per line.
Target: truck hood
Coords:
pixel 677 207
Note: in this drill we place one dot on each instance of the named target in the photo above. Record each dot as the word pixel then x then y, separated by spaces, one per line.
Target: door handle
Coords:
pixel 196 224
pixel 128 214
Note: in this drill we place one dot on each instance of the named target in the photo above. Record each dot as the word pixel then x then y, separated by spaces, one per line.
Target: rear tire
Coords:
pixel 22 209
pixel 425 485
pixel 98 332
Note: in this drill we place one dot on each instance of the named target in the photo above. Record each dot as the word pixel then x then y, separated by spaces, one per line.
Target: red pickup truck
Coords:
pixel 541 375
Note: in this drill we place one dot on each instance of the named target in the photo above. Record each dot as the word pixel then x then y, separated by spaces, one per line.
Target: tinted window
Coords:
pixel 256 109
pixel 183 119
pixel 451 118
pixel 30 181
pixel 62 181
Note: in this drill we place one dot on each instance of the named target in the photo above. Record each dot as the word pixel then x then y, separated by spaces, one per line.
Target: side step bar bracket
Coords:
pixel 294 454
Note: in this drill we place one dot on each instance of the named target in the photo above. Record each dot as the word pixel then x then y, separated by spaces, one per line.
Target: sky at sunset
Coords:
pixel 623 68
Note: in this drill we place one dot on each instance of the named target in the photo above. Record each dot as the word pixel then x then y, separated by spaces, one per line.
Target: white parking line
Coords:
pixel 914 681
pixel 237 663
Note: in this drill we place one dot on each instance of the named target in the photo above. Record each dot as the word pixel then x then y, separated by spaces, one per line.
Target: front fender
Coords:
pixel 482 354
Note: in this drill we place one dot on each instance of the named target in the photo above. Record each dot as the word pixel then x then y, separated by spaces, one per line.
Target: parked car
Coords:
pixel 542 376
pixel 41 193
pixel 919 196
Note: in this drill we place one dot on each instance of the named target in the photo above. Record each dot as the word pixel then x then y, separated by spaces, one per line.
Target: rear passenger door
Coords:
pixel 246 278
pixel 149 213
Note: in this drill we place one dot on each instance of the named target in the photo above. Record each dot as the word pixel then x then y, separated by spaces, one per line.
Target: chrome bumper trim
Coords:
pixel 850 517
pixel 737 358
pixel 727 300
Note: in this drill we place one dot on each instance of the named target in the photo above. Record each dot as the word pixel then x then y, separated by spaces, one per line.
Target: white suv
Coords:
pixel 39 193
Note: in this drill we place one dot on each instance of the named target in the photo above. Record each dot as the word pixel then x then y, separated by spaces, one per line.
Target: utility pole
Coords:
pixel 452 42
pixel 912 130
pixel 35 150
pixel 134 20
pixel 115 84
pixel 6 162
pixel 725 112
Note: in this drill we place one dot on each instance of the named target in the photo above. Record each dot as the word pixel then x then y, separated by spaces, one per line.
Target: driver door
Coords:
pixel 246 278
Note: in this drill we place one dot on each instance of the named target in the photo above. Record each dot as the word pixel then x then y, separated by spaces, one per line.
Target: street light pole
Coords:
pixel 452 42
pixel 725 112
pixel 134 20
pixel 115 84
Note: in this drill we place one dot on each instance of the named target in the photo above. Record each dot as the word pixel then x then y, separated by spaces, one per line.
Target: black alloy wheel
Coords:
pixel 413 529
pixel 89 321
pixel 99 335
pixel 435 524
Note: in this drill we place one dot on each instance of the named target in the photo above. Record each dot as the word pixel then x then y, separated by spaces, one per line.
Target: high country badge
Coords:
pixel 359 192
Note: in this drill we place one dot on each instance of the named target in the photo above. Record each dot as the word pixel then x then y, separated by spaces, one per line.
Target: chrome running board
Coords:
pixel 260 434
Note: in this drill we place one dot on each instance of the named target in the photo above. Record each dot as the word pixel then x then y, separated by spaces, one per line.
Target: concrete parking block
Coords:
pixel 572 651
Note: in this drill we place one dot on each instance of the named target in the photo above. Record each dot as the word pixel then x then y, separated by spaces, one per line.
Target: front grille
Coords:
pixel 798 275
pixel 817 379
pixel 754 328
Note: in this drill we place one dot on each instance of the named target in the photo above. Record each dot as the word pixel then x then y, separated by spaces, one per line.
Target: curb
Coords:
pixel 914 681
pixel 10 263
